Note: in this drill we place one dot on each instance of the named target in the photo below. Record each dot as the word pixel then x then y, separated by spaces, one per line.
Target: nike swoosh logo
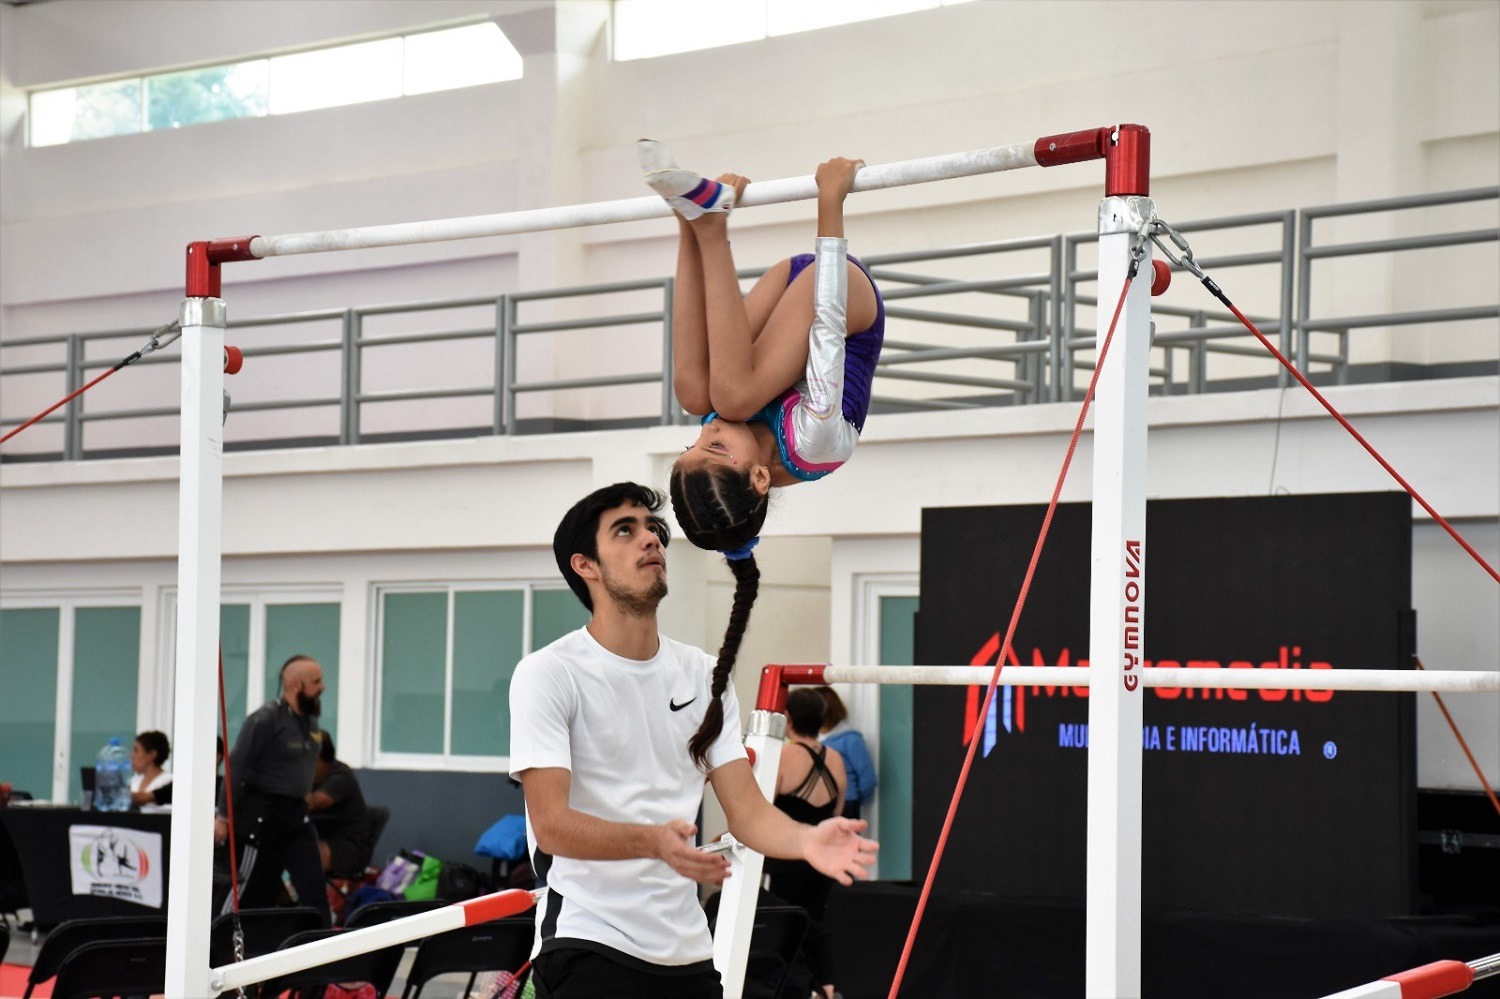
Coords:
pixel 678 707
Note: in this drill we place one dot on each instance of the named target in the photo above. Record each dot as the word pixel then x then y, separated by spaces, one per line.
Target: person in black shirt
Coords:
pixel 810 785
pixel 338 811
pixel 270 776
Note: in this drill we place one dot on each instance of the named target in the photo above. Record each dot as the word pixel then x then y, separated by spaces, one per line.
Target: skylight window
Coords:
pixel 419 63
pixel 647 28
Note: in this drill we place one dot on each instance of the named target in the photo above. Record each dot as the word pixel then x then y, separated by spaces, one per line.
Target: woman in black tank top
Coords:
pixel 810 786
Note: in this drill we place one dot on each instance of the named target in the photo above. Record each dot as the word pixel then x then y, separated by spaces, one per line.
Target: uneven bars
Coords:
pixel 769 192
pixel 1445 681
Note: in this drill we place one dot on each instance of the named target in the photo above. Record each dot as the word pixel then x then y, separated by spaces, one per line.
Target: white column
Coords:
pixel 1117 600
pixel 189 892
pixel 736 919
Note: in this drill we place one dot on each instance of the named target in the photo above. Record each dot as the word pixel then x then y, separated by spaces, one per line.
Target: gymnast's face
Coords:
pixel 727 444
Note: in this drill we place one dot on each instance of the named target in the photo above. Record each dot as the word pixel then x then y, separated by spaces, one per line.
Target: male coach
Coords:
pixel 600 724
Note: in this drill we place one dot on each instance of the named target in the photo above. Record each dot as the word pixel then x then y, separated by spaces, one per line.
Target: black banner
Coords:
pixel 1297 803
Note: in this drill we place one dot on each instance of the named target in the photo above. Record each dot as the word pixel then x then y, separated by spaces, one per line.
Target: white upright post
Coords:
pixel 189 891
pixel 1117 599
pixel 736 920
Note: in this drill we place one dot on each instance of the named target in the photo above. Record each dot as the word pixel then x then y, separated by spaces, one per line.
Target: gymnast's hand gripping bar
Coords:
pixel 1124 148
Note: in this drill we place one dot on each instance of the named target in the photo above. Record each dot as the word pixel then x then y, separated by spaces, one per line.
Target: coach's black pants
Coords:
pixel 275 834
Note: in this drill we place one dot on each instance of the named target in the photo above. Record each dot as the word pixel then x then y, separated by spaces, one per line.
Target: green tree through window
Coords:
pixel 211 94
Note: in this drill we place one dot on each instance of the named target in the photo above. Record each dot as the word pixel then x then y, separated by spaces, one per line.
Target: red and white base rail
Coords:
pixel 352 942
pixel 1430 981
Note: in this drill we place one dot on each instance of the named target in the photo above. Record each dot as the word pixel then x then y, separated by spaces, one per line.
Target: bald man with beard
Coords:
pixel 271 769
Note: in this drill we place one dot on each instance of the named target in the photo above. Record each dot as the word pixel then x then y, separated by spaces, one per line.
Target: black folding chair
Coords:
pixel 777 939
pixel 68 937
pixel 4 939
pixel 265 930
pixel 377 967
pixel 499 945
pixel 109 968
pixel 376 913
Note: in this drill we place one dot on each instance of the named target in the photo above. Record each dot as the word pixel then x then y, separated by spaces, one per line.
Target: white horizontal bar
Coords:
pixel 769 192
pixel 1374 990
pixel 362 941
pixel 1446 681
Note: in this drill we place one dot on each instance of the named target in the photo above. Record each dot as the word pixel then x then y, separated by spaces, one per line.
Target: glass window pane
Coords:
pixel 413 667
pixel 305 630
pixel 459 57
pixel 645 28
pixel 91 112
pixel 28 709
pixel 52 116
pixel 554 613
pixel 106 668
pixel 487 644
pixel 211 94
pixel 349 74
pixel 234 640
pixel 898 617
pixel 783 17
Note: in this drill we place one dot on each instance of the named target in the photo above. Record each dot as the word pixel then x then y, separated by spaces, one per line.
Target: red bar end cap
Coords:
pixel 510 902
pixel 1440 978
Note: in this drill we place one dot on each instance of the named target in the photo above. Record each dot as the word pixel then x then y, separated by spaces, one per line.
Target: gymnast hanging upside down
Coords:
pixel 782 384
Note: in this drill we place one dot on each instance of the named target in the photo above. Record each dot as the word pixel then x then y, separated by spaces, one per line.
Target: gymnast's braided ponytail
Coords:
pixel 746 586
pixel 721 511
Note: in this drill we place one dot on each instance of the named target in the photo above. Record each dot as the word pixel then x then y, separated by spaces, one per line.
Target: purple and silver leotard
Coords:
pixel 817 422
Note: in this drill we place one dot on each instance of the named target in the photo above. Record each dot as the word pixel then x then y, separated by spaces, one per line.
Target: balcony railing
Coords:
pixel 998 323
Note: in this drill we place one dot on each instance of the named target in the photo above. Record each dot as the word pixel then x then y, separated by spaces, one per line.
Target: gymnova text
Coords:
pixel 1198 739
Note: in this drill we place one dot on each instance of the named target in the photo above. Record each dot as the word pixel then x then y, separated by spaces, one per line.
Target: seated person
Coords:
pixel 150 784
pixel 338 811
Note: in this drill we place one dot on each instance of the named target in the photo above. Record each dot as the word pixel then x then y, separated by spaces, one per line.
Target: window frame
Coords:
pixel 447 760
pixel 67 603
pixel 143 78
pixel 164 682
pixel 864 700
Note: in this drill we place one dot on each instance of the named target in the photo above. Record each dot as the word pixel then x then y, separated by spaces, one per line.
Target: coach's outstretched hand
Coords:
pixel 836 848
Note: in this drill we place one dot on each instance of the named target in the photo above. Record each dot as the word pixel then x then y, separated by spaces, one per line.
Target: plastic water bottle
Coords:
pixel 112 778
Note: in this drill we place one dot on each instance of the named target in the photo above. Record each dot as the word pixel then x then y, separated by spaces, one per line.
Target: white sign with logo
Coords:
pixel 112 862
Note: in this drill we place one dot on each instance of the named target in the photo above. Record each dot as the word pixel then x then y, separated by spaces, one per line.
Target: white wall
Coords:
pixel 1253 106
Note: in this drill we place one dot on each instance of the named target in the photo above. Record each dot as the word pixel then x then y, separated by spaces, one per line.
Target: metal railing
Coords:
pixel 1028 298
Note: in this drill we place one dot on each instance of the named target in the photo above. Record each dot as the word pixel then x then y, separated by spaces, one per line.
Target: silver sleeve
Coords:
pixel 824 397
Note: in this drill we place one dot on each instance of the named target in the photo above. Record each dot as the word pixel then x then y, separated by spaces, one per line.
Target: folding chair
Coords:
pixel 377 967
pixel 499 945
pixel 111 968
pixel 777 938
pixel 67 937
pixel 264 929
pixel 383 912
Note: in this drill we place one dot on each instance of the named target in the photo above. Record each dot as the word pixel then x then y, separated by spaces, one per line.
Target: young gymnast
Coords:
pixel 781 382
pixel 782 385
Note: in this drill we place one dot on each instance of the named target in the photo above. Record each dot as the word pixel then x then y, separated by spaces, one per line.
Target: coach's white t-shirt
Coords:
pixel 621 727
